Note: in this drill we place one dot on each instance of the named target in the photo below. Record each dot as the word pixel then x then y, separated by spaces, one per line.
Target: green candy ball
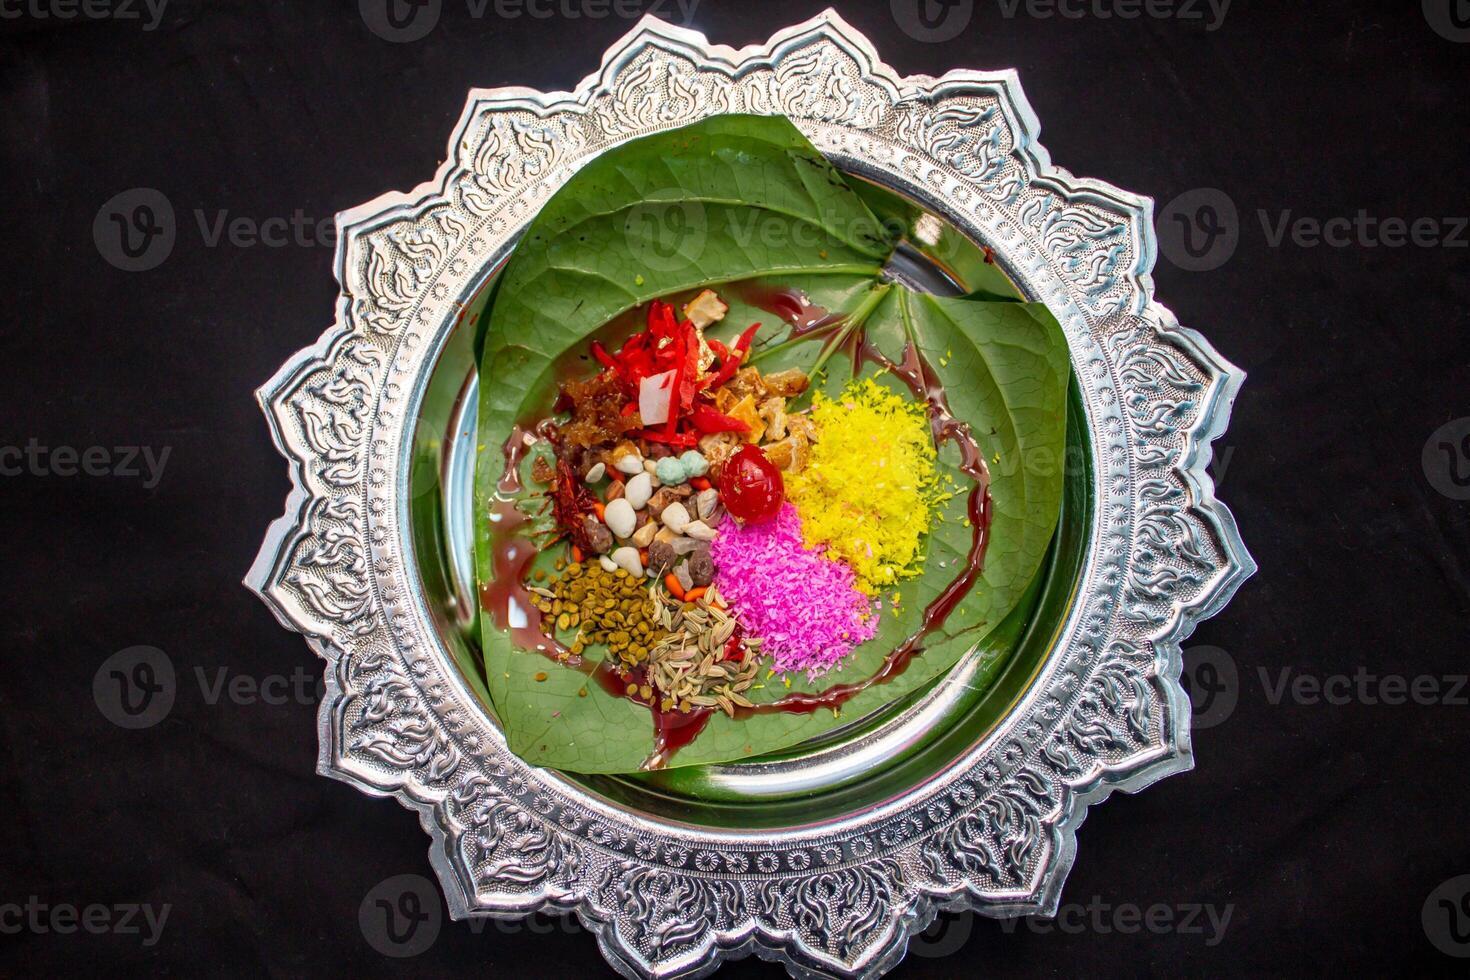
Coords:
pixel 670 471
pixel 694 463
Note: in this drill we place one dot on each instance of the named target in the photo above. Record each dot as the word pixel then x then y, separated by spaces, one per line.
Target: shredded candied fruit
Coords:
pixel 598 414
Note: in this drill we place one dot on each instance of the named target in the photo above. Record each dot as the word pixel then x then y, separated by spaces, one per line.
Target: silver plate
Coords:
pixel 840 894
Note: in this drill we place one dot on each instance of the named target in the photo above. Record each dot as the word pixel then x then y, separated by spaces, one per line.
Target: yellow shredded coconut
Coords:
pixel 870 490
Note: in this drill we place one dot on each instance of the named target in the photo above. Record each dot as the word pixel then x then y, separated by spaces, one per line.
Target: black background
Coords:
pixel 1323 827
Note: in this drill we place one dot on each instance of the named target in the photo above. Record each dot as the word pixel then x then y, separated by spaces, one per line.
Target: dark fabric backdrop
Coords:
pixel 1320 829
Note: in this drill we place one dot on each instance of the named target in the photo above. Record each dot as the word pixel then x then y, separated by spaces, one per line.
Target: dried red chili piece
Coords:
pixel 571 502
pixel 730 363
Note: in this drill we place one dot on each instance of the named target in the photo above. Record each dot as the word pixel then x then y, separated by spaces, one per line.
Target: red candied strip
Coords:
pixel 667 438
pixel 709 421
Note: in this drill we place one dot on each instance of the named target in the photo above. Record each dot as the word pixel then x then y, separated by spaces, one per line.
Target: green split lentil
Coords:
pixel 609 608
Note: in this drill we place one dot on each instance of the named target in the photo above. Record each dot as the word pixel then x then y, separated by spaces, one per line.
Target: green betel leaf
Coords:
pixel 747 206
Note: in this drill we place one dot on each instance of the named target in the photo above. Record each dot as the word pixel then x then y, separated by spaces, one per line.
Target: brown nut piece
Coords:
pixel 701 565
pixel 661 556
pixel 664 496
pixel 719 447
pixel 598 534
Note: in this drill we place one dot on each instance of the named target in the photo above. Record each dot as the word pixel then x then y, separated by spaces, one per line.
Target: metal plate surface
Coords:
pixel 668 893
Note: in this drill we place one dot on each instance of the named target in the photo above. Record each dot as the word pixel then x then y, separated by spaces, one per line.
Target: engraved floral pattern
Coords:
pixel 996 831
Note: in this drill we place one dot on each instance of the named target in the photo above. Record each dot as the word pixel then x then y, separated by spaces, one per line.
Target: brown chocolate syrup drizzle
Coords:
pixel 505 597
pixel 510 607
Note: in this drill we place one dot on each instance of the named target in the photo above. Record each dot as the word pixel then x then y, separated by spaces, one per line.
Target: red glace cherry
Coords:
pixel 751 487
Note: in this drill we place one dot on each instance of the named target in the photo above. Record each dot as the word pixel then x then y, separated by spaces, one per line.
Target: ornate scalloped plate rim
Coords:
pixel 1223 381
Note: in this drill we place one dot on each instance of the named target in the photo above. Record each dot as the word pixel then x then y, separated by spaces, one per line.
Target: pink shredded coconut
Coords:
pixel 803 606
